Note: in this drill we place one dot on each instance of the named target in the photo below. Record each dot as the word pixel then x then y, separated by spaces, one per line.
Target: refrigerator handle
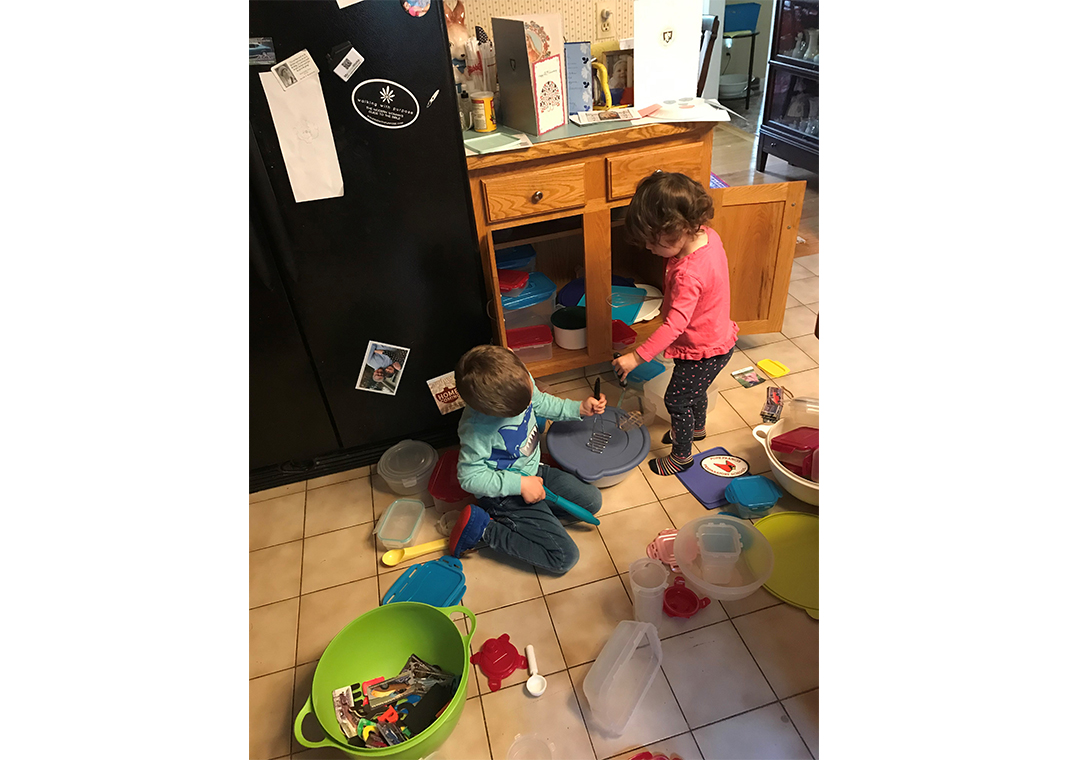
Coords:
pixel 263 195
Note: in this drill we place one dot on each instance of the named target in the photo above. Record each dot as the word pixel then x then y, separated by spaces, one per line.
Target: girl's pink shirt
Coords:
pixel 697 306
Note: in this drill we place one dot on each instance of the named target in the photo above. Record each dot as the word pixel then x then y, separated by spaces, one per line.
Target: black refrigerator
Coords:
pixel 393 260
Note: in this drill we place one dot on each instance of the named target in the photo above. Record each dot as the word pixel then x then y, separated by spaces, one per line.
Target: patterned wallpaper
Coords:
pixel 578 15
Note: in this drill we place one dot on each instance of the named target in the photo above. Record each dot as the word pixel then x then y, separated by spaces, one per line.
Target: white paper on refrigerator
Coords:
pixel 303 129
pixel 667 42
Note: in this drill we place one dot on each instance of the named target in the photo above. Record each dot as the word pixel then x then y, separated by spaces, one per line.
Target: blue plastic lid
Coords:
pixel 574 291
pixel 439 583
pixel 753 492
pixel 515 258
pixel 566 442
pixel 539 288
pixel 646 371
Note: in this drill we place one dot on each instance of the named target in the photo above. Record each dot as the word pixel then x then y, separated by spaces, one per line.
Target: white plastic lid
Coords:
pixel 408 462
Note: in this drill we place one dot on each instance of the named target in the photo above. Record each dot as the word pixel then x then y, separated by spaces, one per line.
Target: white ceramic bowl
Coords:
pixel 801 488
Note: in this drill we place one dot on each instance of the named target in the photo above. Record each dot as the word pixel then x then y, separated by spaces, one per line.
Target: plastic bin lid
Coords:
pixel 407 460
pixel 622 332
pixel 646 371
pixel 681 602
pixel 753 492
pixel 401 520
pixel 575 290
pixel 626 449
pixel 528 337
pixel 519 256
pixel 798 439
pixel 539 288
pixel 439 583
pixel 444 483
pixel 512 279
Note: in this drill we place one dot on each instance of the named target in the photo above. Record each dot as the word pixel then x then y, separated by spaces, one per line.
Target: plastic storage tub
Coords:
pixel 407 467
pixel 623 336
pixel 648 581
pixel 397 527
pixel 444 485
pixel 520 257
pixel 798 412
pixel 511 281
pixel 622 674
pixel 753 495
pixel 531 344
pixel 532 306
pixel 720 547
pixel 750 572
pixel 569 327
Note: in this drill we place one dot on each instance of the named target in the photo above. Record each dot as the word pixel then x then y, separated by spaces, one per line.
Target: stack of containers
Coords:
pixel 520 257
pixel 445 486
pixel 532 306
pixel 407 467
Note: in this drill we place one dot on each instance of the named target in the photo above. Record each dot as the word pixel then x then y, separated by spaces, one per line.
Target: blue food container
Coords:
pixel 532 306
pixel 521 257
pixel 753 494
pixel 740 17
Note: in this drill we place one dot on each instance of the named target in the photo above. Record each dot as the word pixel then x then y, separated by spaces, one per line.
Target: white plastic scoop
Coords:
pixel 536 684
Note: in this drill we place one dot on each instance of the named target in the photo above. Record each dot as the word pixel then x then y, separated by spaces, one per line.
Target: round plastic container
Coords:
pixel 444 485
pixel 407 467
pixel 530 747
pixel 799 412
pixel 749 573
pixel 648 580
pixel 569 327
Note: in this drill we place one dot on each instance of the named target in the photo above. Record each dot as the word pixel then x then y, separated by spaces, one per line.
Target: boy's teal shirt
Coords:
pixel 495 452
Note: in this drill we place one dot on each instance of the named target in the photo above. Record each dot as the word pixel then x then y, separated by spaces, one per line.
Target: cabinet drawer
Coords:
pixel 535 192
pixel 627 170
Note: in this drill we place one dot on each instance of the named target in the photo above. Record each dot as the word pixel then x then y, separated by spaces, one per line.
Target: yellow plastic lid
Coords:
pixel 773 368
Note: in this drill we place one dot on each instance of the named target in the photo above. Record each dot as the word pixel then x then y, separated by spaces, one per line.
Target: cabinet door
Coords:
pixel 758 226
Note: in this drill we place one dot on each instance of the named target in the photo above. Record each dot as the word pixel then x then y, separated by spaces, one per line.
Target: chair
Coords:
pixel 709 32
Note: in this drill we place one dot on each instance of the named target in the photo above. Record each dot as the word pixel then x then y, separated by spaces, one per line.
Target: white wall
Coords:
pixel 715 8
pixel 739 63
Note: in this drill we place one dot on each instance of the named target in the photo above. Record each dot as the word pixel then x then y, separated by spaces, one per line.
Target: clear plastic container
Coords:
pixel 648 580
pixel 534 305
pixel 720 547
pixel 622 674
pixel 407 467
pixel 751 571
pixel 530 747
pixel 397 527
pixel 531 344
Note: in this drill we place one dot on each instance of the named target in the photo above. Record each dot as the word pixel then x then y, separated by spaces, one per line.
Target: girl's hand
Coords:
pixel 625 364
pixel 592 406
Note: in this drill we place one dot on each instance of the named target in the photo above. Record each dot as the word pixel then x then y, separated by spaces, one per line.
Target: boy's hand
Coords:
pixel 592 406
pixel 625 364
pixel 531 489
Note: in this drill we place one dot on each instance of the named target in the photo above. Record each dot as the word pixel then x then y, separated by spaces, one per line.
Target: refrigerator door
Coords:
pixel 395 259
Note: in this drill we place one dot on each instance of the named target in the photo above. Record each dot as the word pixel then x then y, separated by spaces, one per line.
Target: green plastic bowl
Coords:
pixel 378 643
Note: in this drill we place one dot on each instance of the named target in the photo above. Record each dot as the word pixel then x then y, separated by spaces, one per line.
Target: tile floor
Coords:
pixel 739 679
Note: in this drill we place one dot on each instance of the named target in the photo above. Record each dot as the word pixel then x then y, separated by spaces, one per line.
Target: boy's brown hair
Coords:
pixel 493 380
pixel 669 204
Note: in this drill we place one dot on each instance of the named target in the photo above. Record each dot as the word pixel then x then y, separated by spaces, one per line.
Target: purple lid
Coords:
pixel 566 442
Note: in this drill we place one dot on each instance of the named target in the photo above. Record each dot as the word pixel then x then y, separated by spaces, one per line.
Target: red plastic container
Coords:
pixel 531 344
pixel 512 280
pixel 681 602
pixel 623 335
pixel 794 449
pixel 444 485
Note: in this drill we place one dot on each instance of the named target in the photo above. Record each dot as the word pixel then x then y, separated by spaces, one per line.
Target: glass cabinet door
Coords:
pixel 795 101
pixel 799 31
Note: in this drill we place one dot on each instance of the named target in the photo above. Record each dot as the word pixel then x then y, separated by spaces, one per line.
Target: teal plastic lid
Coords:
pixel 515 258
pixel 539 288
pixel 753 492
pixel 646 371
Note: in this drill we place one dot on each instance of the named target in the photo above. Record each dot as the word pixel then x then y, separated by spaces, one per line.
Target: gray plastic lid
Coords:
pixel 408 460
pixel 566 442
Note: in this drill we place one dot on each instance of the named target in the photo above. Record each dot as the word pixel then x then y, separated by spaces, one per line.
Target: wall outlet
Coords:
pixel 605 19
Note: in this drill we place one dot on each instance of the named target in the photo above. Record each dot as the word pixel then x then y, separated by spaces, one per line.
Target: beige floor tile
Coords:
pixel 270 703
pixel 322 753
pixel 340 556
pixel 301 692
pixel 578 383
pixel 594 562
pixel 791 302
pixel 578 393
pixel 740 443
pixel 274 574
pixel 745 342
pixel 562 377
pixel 810 344
pixel 632 492
pixel 425 533
pixel 804 711
pixel 525 623
pixel 497 580
pixel 713 675
pixel 758 600
pixel 747 402
pixel 596 369
pixel 338 506
pixel 275 521
pixel 628 533
pixel 803 384
pixel 324 613
pixel 586 616
pixel 340 477
pixel 274 493
pixel 272 637
pixel 682 745
pixel 806 290
pixel 721 416
pixel 663 486
pixel 811 263
pixel 382 497
pixel 673 626
pixel 814 307
pixel 764 734
pixel 799 272
pixel 657 717
pixel 468 740
pixel 786 643
pixel 684 508
pixel 798 321
pixel 555 716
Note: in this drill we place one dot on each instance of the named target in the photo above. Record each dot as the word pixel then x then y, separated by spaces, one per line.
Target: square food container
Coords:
pixel 531 344
pixel 398 525
pixel 622 674
pixel 532 306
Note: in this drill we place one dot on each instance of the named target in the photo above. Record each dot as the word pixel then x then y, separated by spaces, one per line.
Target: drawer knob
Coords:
pixel 659 171
pixel 536 197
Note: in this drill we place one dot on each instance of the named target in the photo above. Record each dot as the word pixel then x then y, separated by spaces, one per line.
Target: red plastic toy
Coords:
pixel 681 602
pixel 498 659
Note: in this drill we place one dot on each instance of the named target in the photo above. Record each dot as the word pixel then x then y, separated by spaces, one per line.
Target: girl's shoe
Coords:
pixel 468 531
pixel 670 465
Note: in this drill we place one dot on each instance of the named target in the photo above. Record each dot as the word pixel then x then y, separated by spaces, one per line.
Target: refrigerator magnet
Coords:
pixel 382 366
pixel 295 69
pixel 344 60
pixel 261 51
pixel 416 8
pixel 385 103
pixel 443 389
pixel 549 94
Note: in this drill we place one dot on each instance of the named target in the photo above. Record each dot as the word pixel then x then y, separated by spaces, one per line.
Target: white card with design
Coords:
pixel 549 94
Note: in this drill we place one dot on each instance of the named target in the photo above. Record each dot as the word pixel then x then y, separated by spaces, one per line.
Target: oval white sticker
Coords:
pixel 385 104
pixel 725 466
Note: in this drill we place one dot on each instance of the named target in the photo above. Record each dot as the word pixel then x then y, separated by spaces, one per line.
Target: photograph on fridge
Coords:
pixel 383 364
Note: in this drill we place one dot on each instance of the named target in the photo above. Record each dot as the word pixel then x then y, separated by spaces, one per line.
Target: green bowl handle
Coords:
pixel 470 616
pixel 328 742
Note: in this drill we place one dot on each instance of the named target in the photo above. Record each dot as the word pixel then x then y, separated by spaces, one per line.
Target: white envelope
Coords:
pixel 667 45
pixel 304 134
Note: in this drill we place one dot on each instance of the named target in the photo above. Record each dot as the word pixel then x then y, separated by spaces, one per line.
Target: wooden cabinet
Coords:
pixel 568 197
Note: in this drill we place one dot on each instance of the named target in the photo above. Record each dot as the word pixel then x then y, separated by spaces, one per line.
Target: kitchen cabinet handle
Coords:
pixel 536 197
